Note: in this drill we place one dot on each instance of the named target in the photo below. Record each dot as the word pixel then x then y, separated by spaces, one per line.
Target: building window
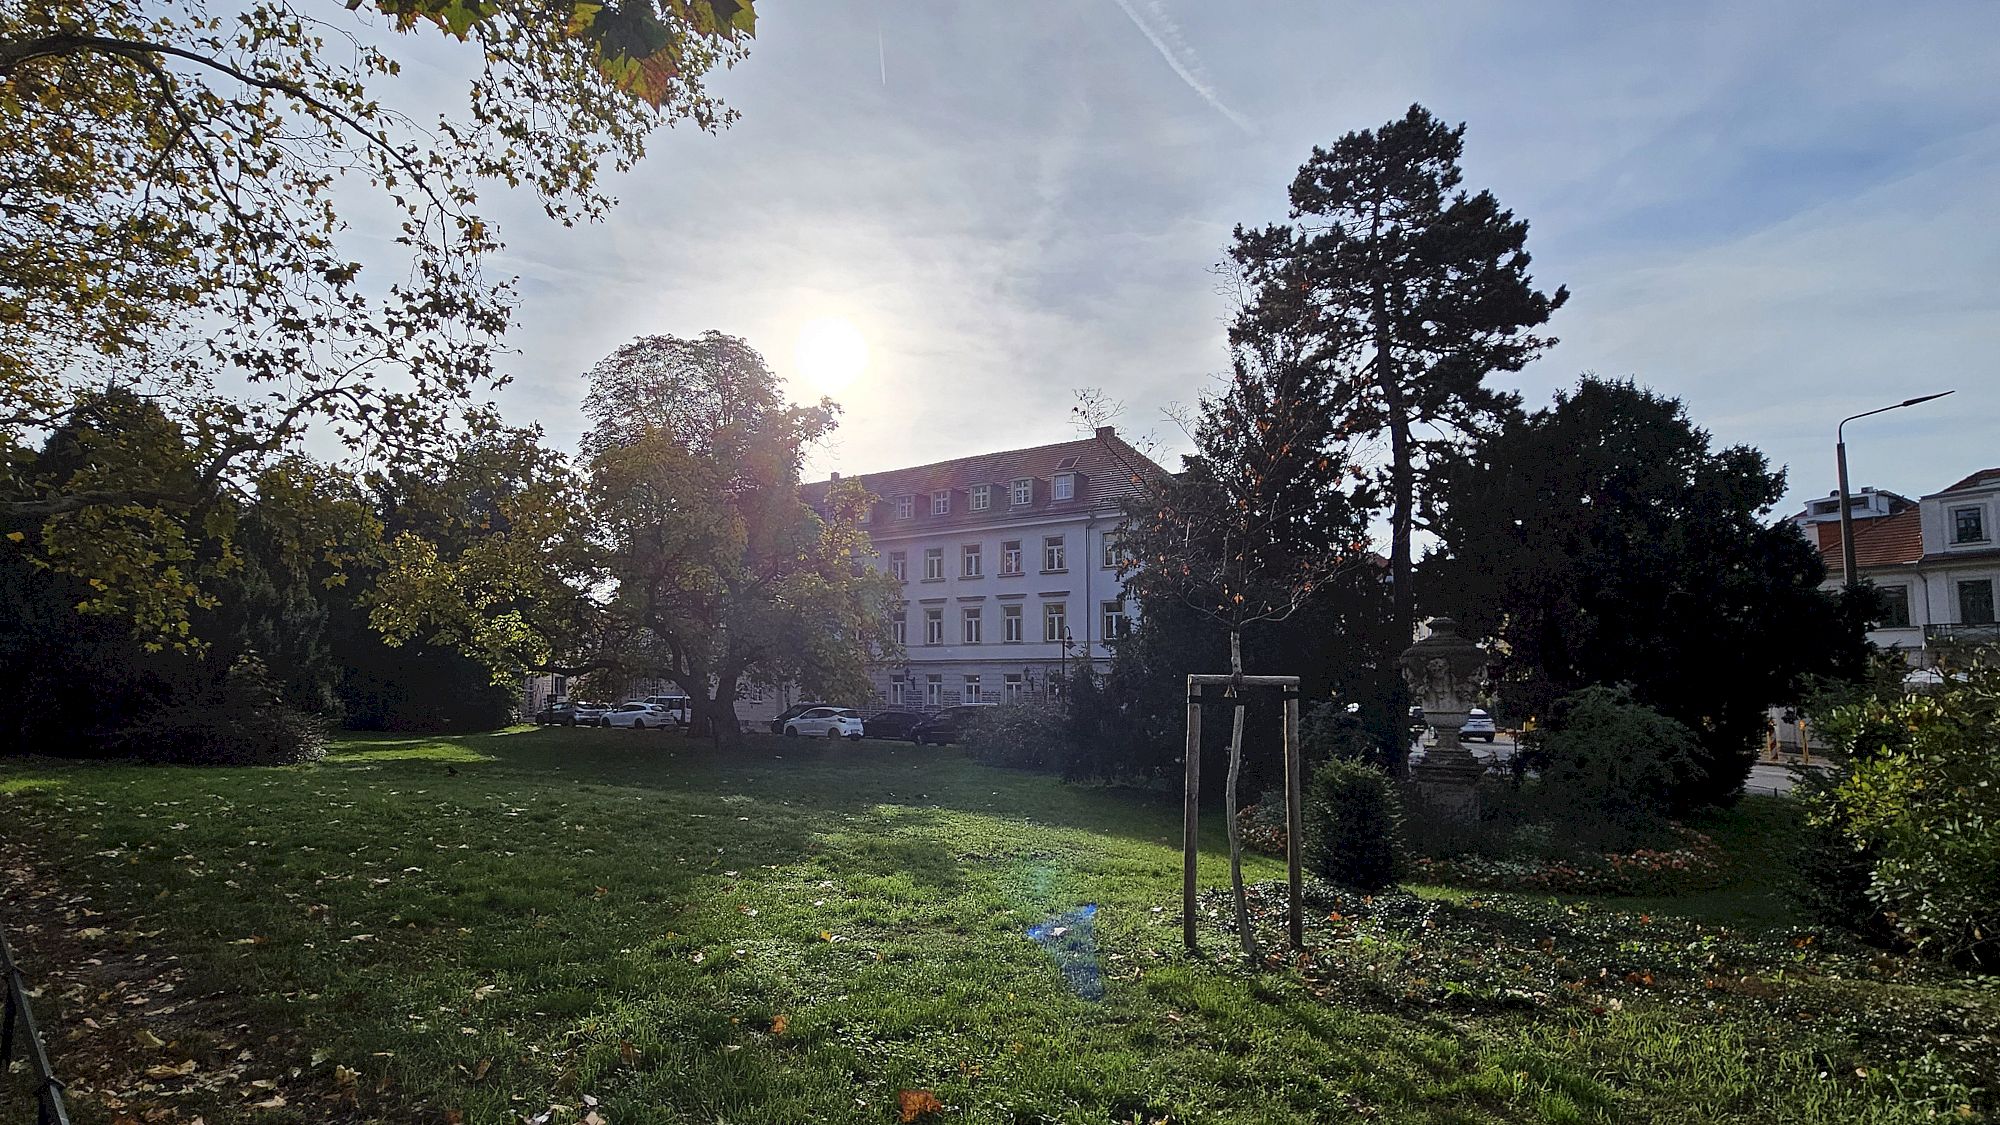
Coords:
pixel 972 626
pixel 1111 558
pixel 899 628
pixel 1968 525
pixel 969 562
pixel 1053 556
pixel 1975 602
pixel 1064 487
pixel 906 506
pixel 1024 491
pixel 941 502
pixel 1015 687
pixel 896 689
pixel 1010 557
pixel 1895 611
pixel 971 692
pixel 1117 626
pixel 934 691
pixel 1010 624
pixel 982 497
pixel 1055 621
pixel 933 564
pixel 899 566
pixel 934 626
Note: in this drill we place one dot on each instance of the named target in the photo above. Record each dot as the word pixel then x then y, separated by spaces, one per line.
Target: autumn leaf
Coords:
pixel 628 1053
pixel 780 1023
pixel 912 1104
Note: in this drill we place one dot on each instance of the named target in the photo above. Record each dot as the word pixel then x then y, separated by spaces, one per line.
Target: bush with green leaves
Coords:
pixel 1027 736
pixel 241 720
pixel 1353 823
pixel 1612 769
pixel 1919 799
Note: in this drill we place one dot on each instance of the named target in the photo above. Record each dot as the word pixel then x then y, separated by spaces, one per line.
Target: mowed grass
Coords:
pixel 488 928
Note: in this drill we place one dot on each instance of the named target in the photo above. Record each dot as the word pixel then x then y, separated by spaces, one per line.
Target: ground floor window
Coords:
pixel 1015 687
pixel 971 692
pixel 896 689
pixel 1895 607
pixel 934 691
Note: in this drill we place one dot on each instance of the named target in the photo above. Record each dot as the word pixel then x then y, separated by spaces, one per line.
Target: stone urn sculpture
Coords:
pixel 1443 671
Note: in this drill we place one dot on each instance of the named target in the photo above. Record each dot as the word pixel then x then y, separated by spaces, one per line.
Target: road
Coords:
pixel 1765 777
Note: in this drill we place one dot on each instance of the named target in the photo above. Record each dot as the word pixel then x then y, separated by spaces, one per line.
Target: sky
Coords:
pixel 1781 213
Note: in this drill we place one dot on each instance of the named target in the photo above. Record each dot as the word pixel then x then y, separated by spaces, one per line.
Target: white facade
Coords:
pixel 1940 578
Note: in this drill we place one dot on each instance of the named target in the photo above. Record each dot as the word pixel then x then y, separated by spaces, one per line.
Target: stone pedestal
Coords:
pixel 1444 670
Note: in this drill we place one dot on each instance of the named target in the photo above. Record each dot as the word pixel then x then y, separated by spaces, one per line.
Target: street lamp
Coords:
pixel 1847 564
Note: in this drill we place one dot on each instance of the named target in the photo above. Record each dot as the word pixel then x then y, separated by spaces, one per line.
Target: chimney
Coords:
pixel 1106 433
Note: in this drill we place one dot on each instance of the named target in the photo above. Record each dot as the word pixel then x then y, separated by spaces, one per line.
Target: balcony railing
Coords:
pixel 1963 634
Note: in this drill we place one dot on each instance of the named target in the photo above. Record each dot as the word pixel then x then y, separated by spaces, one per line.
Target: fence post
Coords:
pixel 1294 822
pixel 1190 815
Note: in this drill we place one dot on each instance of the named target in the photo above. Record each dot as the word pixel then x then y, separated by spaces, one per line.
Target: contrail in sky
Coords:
pixel 1165 37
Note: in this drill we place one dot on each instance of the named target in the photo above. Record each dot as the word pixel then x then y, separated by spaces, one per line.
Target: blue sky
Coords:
pixel 1780 212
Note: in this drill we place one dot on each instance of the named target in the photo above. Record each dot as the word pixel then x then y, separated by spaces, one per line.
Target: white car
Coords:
pixel 639 716
pixel 825 722
pixel 1479 725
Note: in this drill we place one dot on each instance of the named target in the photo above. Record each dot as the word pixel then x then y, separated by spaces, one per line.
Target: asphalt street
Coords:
pixel 1765 777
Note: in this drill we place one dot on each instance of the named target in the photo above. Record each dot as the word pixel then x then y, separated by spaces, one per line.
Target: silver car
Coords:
pixel 825 722
pixel 1478 725
pixel 637 715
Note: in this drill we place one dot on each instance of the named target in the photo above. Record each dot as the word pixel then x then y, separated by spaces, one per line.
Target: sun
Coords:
pixel 830 353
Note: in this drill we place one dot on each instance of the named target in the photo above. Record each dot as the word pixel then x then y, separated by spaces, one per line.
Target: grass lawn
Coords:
pixel 622 927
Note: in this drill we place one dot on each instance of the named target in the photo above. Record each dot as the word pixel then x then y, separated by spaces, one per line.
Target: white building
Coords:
pixel 1009 567
pixel 1937 565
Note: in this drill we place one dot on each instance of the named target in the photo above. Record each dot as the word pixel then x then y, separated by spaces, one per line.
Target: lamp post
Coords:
pixel 1847 565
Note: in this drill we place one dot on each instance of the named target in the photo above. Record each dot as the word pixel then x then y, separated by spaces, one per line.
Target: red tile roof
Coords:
pixel 1108 471
pixel 1968 482
pixel 1885 541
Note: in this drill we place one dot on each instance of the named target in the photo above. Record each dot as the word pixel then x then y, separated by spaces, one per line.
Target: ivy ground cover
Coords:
pixel 613 927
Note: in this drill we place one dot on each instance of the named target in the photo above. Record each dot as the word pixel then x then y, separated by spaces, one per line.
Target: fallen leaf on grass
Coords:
pixel 780 1023
pixel 164 1071
pixel 628 1053
pixel 912 1104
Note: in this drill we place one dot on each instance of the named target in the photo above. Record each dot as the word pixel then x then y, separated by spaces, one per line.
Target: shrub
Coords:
pixel 1920 801
pixel 1025 736
pixel 1612 769
pixel 1352 821
pixel 1331 732
pixel 1263 824
pixel 240 721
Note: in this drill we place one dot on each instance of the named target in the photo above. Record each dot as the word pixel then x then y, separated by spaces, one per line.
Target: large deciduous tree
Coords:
pixel 1602 541
pixel 1260 519
pixel 183 188
pixel 722 574
pixel 1409 291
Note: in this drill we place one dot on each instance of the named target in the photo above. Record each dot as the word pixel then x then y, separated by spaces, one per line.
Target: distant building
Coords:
pixel 1008 563
pixel 1869 503
pixel 1936 564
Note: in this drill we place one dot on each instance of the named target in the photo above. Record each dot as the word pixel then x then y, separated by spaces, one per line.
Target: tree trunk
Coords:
pixel 728 731
pixel 1230 818
pixel 1402 515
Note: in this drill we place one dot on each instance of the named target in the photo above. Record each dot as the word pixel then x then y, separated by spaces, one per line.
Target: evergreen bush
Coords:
pixel 1352 825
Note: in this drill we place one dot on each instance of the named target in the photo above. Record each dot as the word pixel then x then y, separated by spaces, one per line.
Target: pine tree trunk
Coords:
pixel 1402 515
pixel 1230 817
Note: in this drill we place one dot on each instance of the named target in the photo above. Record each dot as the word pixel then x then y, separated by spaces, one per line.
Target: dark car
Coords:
pixel 890 724
pixel 947 726
pixel 792 712
pixel 555 714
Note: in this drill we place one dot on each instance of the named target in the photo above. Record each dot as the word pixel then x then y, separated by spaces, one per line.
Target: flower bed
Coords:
pixel 1696 864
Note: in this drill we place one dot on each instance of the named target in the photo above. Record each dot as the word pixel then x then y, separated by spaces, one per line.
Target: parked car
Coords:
pixel 678 705
pixel 890 724
pixel 948 725
pixel 790 713
pixel 1479 725
pixel 554 714
pixel 638 715
pixel 589 714
pixel 825 722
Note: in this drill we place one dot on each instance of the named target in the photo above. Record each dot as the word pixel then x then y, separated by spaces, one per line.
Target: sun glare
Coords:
pixel 830 354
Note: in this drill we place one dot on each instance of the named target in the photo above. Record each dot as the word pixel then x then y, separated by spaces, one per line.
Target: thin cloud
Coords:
pixel 1165 36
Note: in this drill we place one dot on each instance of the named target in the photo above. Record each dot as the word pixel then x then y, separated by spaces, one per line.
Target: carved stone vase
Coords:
pixel 1444 671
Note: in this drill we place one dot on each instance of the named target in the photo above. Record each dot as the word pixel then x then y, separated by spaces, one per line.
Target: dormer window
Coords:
pixel 1065 487
pixel 941 502
pixel 1024 491
pixel 982 497
pixel 906 506
pixel 1968 525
